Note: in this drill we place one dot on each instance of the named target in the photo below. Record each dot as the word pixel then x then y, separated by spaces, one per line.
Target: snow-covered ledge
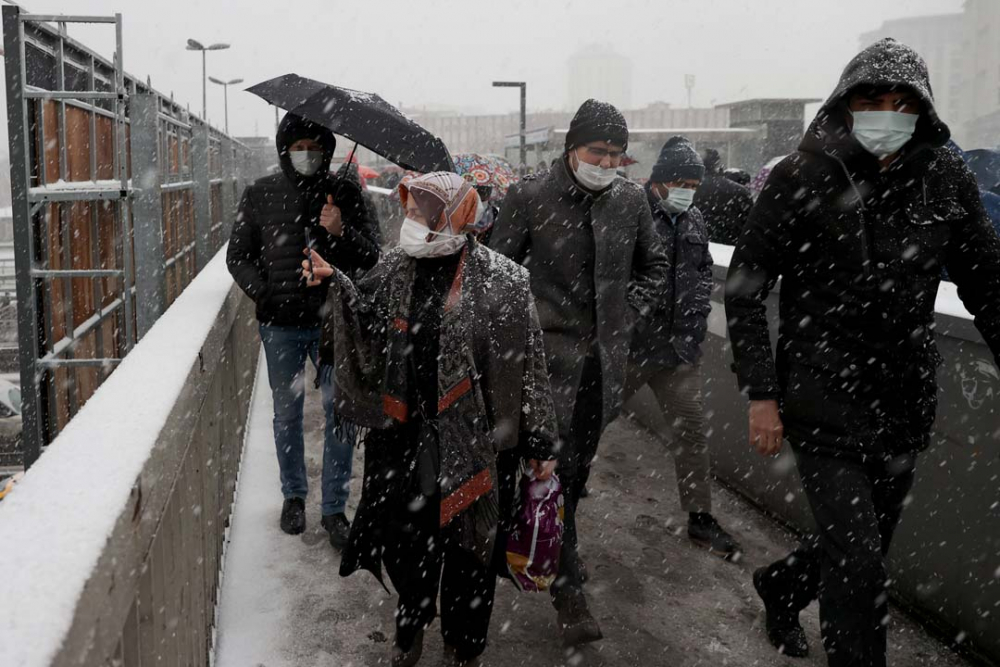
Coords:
pixel 139 483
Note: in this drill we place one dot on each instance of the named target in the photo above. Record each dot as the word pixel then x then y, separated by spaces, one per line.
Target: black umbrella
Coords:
pixel 362 117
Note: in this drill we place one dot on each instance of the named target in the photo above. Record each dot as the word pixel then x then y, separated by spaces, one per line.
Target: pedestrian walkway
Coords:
pixel 660 600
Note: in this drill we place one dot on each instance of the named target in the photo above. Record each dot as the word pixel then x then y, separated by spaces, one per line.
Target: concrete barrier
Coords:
pixel 112 545
pixel 945 558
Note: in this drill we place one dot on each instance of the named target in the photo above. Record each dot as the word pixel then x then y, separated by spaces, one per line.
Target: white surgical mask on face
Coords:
pixel 677 200
pixel 883 133
pixel 593 177
pixel 480 210
pixel 306 163
pixel 413 241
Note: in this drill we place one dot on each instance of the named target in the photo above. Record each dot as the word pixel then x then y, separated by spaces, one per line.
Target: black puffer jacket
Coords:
pixel 675 330
pixel 265 249
pixel 860 252
pixel 725 206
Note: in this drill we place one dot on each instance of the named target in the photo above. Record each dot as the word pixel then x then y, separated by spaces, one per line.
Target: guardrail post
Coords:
pixel 27 306
pixel 202 195
pixel 147 212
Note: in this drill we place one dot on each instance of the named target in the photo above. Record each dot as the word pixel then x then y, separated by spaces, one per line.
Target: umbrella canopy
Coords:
pixel 492 171
pixel 362 117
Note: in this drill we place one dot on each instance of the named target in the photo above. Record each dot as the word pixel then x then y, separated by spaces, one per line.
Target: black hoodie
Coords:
pixel 860 250
pixel 265 249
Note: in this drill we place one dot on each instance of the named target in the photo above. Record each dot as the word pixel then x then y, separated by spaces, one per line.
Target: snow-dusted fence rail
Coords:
pixel 120 196
pixel 112 543
pixel 945 558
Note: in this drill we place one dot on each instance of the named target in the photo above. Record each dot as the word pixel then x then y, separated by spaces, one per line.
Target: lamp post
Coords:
pixel 524 89
pixel 225 92
pixel 195 45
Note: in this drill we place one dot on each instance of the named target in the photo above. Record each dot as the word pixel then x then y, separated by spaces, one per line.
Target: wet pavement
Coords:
pixel 660 600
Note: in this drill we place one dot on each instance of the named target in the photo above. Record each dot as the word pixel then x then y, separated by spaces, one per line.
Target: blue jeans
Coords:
pixel 286 350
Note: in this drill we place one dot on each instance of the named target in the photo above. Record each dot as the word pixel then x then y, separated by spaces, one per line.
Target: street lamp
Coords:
pixel 195 45
pixel 225 91
pixel 524 89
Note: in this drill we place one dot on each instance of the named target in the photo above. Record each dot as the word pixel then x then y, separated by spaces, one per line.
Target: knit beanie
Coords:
pixel 597 121
pixel 678 160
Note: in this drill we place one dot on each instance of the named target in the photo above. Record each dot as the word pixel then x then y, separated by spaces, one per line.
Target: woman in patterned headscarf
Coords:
pixel 439 360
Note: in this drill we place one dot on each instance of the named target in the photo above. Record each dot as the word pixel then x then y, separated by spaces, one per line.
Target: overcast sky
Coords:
pixel 447 52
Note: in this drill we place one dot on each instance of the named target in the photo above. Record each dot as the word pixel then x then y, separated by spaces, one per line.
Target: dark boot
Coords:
pixel 706 532
pixel 453 658
pixel 339 529
pixel 575 620
pixel 293 516
pixel 783 628
pixel 401 658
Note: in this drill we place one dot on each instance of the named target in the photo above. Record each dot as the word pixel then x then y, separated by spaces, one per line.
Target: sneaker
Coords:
pixel 339 528
pixel 575 620
pixel 706 532
pixel 293 516
pixel 401 658
pixel 783 628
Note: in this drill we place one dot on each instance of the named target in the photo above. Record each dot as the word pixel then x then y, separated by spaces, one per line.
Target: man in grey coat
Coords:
pixel 597 269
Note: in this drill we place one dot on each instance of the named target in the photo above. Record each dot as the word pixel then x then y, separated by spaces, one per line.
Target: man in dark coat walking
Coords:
pixel 859 223
pixel 586 236
pixel 278 217
pixel 724 203
pixel 666 354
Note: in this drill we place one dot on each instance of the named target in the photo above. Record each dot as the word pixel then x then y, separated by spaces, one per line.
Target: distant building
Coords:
pixel 602 74
pixel 938 39
pixel 980 83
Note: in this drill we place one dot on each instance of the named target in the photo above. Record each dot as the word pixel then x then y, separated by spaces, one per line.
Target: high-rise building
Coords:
pixel 598 72
pixel 939 39
pixel 980 85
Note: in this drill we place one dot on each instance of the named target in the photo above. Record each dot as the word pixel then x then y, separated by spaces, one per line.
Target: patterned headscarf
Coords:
pixel 446 199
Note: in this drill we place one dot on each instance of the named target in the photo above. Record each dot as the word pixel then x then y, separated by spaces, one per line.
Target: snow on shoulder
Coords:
pixel 56 522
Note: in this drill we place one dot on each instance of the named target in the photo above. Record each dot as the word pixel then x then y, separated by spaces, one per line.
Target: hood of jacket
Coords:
pixel 291 129
pixel 885 63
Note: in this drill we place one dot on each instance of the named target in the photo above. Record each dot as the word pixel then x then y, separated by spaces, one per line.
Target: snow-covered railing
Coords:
pixel 944 558
pixel 111 546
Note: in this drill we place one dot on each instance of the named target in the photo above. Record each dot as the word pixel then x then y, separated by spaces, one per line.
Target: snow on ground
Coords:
pixel 660 600
pixel 54 525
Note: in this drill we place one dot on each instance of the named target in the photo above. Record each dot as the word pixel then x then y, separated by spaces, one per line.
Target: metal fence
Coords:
pixel 120 196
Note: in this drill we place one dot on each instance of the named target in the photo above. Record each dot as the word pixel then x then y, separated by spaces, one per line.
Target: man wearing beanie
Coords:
pixel 666 354
pixel 277 216
pixel 724 203
pixel 597 269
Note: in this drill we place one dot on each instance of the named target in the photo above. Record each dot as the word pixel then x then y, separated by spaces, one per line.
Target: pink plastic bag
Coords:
pixel 535 539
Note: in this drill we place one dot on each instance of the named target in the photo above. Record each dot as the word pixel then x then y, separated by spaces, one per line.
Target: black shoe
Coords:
pixel 401 658
pixel 783 628
pixel 575 620
pixel 452 658
pixel 293 516
pixel 585 491
pixel 339 528
pixel 706 532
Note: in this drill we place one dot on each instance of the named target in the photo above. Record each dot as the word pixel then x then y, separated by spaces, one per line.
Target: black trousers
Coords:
pixel 857 506
pixel 579 447
pixel 421 558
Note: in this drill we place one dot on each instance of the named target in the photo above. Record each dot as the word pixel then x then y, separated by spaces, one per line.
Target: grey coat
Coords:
pixel 597 269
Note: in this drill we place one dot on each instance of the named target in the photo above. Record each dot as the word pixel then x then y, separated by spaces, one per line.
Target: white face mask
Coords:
pixel 677 200
pixel 593 177
pixel 883 133
pixel 413 241
pixel 306 163
pixel 480 210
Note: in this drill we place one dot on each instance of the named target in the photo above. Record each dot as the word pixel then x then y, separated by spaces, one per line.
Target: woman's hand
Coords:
pixel 543 469
pixel 319 271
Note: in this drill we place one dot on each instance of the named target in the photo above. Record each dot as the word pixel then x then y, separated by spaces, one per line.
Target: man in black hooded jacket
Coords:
pixel 278 217
pixel 859 223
